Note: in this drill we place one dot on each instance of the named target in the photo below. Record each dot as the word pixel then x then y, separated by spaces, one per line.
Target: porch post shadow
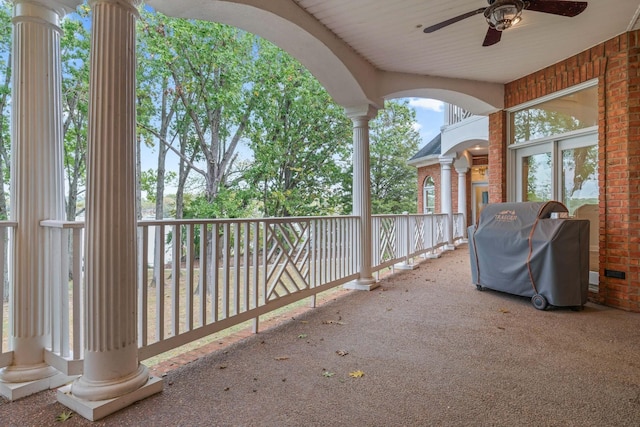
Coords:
pixel 112 377
pixel 361 193
pixel 37 185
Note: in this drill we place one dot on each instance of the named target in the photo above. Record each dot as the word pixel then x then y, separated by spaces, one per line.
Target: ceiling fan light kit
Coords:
pixel 503 14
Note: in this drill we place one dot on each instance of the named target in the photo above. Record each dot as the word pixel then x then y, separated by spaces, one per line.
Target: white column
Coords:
pixel 362 192
pixel 37 185
pixel 445 197
pixel 111 366
pixel 462 198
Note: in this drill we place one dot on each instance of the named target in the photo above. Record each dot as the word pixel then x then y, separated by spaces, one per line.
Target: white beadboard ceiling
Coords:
pixel 389 35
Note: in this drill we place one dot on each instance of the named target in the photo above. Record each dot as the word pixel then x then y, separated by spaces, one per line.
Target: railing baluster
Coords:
pixel 255 262
pixel 78 309
pixel 176 244
pixel 3 279
pixel 53 242
pixel 143 287
pixel 65 324
pixel 160 283
pixel 215 269
pixel 237 298
pixel 225 271
pixel 189 265
pixel 203 274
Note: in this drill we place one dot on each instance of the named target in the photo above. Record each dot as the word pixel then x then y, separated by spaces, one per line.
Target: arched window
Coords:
pixel 428 196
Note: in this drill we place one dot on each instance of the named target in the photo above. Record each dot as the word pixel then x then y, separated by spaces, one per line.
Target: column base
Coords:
pixel 15 391
pixel 362 285
pixel 97 409
pixel 449 247
pixel 405 266
pixel 433 255
pixel 24 374
pixel 462 241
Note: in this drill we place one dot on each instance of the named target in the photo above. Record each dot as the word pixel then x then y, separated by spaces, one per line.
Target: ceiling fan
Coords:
pixel 503 14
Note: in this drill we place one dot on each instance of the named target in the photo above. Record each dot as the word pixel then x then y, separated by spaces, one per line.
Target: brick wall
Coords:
pixel 497 157
pixel 616 65
pixel 434 172
pixel 423 172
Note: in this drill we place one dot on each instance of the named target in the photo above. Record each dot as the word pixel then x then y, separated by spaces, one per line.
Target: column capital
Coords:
pixel 361 112
pixel 50 11
pixel 462 170
pixel 446 161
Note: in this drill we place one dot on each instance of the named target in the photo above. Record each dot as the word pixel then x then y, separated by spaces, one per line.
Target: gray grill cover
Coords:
pixel 517 248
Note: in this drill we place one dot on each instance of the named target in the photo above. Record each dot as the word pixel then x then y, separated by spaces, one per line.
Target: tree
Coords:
pixel 5 117
pixel 393 140
pixel 5 105
pixel 75 47
pixel 299 137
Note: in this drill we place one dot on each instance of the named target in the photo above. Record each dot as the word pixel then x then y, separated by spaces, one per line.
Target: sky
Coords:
pixel 430 115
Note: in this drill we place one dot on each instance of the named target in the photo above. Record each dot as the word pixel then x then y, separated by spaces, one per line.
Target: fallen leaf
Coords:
pixel 282 358
pixel 328 374
pixel 222 367
pixel 302 336
pixel 501 328
pixel 304 321
pixel 504 310
pixel 332 322
pixel 342 352
pixel 226 389
pixel 356 374
pixel 64 416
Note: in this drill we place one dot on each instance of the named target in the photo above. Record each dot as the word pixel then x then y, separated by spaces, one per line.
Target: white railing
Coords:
pixel 400 238
pixel 459 227
pixel 213 274
pixel 455 114
pixel 6 238
pixel 198 277
pixel 65 242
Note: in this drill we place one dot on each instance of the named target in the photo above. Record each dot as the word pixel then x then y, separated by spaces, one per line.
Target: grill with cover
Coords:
pixel 520 249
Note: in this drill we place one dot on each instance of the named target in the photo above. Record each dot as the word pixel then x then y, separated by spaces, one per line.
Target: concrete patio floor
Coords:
pixel 433 351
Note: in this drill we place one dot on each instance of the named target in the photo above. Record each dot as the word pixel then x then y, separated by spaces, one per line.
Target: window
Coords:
pixel 570 112
pixel 428 196
pixel 554 155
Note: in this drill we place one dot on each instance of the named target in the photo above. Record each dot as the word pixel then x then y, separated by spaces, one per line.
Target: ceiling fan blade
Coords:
pixel 443 24
pixel 493 36
pixel 557 7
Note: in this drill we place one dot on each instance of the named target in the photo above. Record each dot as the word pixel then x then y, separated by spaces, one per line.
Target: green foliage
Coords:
pixel 196 97
pixel 5 101
pixel 393 140
pixel 300 139
pixel 228 204
pixel 148 182
pixel 75 47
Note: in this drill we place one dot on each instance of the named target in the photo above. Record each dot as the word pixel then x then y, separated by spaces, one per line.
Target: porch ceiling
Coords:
pixel 379 45
pixel 389 35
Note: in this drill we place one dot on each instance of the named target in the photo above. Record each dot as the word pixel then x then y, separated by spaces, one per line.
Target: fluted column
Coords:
pixel 462 197
pixel 445 197
pixel 36 180
pixel 361 192
pixel 111 366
